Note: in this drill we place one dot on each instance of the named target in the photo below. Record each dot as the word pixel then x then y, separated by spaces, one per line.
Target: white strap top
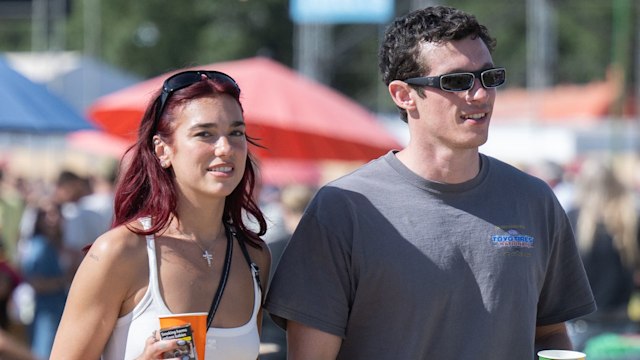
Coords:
pixel 130 332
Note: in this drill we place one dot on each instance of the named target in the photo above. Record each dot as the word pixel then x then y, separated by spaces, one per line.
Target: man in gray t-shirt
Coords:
pixel 435 251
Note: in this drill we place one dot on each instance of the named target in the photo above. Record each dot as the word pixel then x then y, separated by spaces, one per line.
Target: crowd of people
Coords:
pixel 46 224
pixel 601 197
pixel 401 258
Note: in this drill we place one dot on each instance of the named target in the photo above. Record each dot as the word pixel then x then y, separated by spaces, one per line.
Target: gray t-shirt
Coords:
pixel 404 268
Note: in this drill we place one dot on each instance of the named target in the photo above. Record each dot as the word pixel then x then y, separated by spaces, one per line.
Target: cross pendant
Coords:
pixel 207 257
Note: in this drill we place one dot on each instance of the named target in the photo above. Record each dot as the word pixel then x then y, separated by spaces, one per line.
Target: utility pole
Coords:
pixel 622 35
pixel 48 25
pixel 313 50
pixel 92 44
pixel 58 32
pixel 39 25
pixel 541 43
pixel 637 55
pixel 314 21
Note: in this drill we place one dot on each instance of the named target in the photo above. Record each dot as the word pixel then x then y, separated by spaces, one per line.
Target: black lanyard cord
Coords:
pixel 223 277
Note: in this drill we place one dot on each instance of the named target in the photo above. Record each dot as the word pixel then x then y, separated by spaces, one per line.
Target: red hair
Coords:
pixel 145 188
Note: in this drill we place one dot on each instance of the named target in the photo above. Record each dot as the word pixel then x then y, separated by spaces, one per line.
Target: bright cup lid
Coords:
pixel 183 314
pixel 561 355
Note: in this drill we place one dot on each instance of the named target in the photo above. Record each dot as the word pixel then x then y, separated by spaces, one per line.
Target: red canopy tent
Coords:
pixel 293 117
pixel 98 143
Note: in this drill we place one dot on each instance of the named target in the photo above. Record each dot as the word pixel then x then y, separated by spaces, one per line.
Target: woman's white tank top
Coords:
pixel 132 330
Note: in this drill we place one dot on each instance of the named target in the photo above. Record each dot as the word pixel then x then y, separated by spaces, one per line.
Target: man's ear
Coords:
pixel 402 95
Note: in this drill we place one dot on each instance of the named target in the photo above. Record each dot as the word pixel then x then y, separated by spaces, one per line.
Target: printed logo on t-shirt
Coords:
pixel 513 240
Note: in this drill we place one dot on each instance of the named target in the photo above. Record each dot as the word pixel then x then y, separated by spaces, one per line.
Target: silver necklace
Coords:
pixel 206 255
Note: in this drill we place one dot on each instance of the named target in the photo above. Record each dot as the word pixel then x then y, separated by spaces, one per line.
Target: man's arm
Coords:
pixel 307 343
pixel 552 336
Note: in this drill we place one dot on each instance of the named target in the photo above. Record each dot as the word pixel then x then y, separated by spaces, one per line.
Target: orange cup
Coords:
pixel 198 323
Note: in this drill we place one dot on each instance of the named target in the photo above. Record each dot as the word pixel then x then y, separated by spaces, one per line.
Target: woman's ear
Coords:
pixel 401 95
pixel 162 151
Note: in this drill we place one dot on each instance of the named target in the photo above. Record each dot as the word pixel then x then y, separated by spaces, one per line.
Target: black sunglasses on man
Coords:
pixel 462 81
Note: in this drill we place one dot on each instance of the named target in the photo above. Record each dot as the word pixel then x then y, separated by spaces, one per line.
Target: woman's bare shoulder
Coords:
pixel 119 244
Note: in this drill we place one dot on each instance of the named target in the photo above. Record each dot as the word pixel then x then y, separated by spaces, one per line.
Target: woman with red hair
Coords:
pixel 182 204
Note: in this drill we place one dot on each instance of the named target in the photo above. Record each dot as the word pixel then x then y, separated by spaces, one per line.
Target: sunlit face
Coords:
pixel 209 147
pixel 456 120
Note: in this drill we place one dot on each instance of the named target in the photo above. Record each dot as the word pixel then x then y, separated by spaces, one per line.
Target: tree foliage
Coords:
pixel 153 36
pixel 149 37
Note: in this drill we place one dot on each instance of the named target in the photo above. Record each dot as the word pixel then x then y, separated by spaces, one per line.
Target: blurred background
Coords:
pixel 572 64
pixel 75 73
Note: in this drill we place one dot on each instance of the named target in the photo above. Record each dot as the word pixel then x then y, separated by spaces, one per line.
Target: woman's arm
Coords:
pixel 102 283
pixel 262 258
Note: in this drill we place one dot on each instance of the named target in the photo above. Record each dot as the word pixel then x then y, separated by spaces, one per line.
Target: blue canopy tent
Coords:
pixel 28 107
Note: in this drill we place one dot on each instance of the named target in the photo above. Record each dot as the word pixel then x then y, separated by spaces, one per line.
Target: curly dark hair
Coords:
pixel 400 49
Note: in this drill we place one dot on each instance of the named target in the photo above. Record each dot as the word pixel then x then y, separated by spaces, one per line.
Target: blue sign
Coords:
pixel 341 11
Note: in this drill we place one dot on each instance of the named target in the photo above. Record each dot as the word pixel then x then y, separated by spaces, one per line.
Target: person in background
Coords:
pixel 605 221
pixel 42 269
pixel 554 174
pixel 9 280
pixel 294 198
pixel 184 190
pixel 100 200
pixel 12 205
pixel 11 348
pixel 69 189
pixel 435 251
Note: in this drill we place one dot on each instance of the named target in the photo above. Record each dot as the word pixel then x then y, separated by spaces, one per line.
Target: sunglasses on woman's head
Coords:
pixel 185 79
pixel 462 81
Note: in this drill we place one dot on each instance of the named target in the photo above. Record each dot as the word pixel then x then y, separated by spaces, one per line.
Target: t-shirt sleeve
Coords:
pixel 566 293
pixel 313 282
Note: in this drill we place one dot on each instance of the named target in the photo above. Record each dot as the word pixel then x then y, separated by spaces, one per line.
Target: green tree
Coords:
pixel 149 37
pixel 153 36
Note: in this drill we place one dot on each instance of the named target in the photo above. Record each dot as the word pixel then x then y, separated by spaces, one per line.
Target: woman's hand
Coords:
pixel 155 348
